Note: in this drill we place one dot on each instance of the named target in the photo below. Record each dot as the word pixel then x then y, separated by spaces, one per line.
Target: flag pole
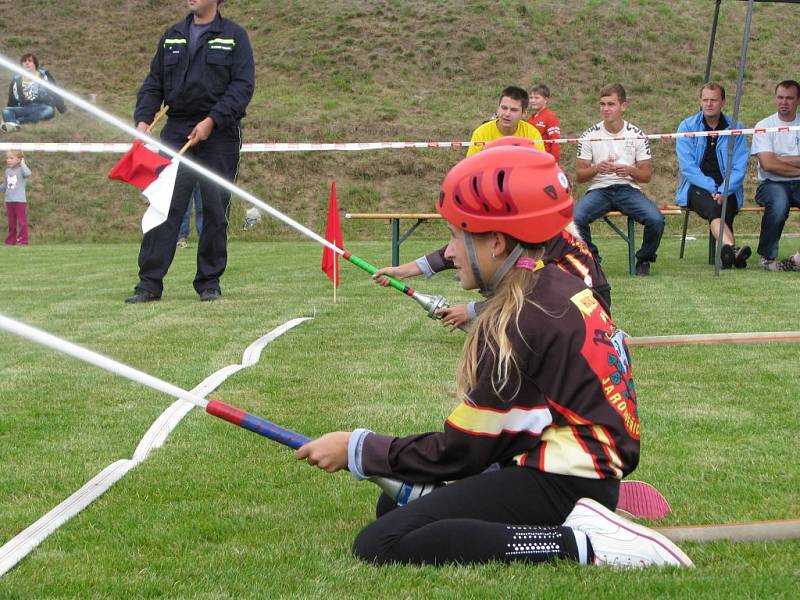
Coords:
pixel 157 118
pixel 430 303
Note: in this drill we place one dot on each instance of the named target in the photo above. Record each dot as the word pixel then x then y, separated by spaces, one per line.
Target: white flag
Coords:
pixel 159 193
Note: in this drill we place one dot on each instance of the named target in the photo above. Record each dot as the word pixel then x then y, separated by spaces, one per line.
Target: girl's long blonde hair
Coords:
pixel 488 332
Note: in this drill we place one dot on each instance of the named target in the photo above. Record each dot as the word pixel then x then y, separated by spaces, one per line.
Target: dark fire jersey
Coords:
pixel 574 411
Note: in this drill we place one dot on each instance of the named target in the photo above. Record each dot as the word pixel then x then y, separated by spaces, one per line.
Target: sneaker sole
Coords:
pixel 641 500
pixel 661 541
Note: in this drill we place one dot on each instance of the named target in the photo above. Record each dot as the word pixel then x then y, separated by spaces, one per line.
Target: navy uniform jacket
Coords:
pixel 217 81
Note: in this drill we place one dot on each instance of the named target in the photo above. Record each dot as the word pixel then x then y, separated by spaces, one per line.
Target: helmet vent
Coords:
pixel 475 186
pixel 458 200
pixel 501 176
pixel 486 207
pixel 551 191
pixel 508 208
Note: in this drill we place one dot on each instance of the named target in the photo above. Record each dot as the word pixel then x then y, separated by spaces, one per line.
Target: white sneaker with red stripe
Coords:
pixel 618 542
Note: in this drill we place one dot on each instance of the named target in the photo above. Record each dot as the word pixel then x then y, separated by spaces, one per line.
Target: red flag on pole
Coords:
pixel 333 233
pixel 154 175
pixel 138 166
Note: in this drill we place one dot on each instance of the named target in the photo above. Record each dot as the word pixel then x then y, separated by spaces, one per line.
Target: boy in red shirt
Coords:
pixel 545 119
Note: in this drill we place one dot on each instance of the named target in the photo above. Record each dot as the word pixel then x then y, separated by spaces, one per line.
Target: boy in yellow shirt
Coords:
pixel 511 110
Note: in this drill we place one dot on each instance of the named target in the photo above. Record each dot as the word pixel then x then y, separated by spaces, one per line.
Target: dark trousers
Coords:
pixel 158 245
pixel 702 202
pixel 776 197
pixel 478 519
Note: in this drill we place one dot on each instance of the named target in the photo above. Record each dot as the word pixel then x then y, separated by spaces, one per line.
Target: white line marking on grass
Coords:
pixel 21 545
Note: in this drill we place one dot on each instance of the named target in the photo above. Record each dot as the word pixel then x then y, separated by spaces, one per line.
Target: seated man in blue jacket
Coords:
pixel 704 165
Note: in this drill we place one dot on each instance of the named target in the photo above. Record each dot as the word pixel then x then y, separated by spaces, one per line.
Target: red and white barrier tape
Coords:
pixel 361 146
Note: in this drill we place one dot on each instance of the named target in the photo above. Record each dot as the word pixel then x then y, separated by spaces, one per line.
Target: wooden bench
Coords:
pixel 419 218
pixel 628 235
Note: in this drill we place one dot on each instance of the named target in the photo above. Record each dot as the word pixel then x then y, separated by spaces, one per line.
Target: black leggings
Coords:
pixel 514 513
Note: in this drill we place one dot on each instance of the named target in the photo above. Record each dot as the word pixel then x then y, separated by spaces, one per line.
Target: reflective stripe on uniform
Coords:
pixel 492 422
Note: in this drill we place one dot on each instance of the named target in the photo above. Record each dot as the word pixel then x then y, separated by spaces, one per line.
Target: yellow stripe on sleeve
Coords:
pixel 484 421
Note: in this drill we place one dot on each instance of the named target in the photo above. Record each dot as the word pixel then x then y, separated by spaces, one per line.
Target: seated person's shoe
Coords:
pixel 182 243
pixel 726 256
pixel 770 265
pixel 210 295
pixel 9 126
pixel 742 253
pixel 642 268
pixel 617 542
pixel 141 296
pixel 790 264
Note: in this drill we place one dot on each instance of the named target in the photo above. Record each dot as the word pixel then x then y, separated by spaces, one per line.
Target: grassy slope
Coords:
pixel 349 70
pixel 218 512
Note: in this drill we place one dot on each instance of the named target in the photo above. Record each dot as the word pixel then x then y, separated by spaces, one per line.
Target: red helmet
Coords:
pixel 509 189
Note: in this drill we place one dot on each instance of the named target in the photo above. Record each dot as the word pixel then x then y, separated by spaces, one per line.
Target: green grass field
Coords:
pixel 221 513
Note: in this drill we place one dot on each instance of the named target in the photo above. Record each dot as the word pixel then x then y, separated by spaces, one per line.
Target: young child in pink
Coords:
pixel 14 182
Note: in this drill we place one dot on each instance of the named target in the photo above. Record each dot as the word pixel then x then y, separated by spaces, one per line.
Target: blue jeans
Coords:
pixel 776 197
pixel 629 201
pixel 197 200
pixel 30 113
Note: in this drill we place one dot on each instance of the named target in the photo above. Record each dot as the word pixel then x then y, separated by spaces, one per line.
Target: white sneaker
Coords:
pixel 618 542
pixel 770 265
pixel 9 126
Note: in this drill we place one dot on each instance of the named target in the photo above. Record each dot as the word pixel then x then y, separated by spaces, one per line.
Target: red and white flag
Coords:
pixel 154 175
pixel 333 233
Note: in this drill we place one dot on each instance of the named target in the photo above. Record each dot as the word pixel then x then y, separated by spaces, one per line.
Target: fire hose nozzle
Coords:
pixel 401 491
pixel 431 304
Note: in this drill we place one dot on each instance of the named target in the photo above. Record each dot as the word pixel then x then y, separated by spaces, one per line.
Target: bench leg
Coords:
pixel 683 233
pixel 395 242
pixel 631 246
pixel 712 248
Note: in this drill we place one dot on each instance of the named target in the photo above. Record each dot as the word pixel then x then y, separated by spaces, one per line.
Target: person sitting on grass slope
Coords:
pixel 29 102
pixel 546 394
pixel 565 249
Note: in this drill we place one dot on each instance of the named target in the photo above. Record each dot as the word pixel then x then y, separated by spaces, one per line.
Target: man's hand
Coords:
pixel 400 272
pixel 717 197
pixel 606 167
pixel 329 452
pixel 454 316
pixel 623 170
pixel 142 127
pixel 201 131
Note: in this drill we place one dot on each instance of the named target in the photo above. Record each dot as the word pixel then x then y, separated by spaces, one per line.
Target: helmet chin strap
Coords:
pixel 509 262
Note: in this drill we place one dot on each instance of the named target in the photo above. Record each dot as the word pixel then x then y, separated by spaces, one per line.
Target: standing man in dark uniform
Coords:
pixel 203 70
